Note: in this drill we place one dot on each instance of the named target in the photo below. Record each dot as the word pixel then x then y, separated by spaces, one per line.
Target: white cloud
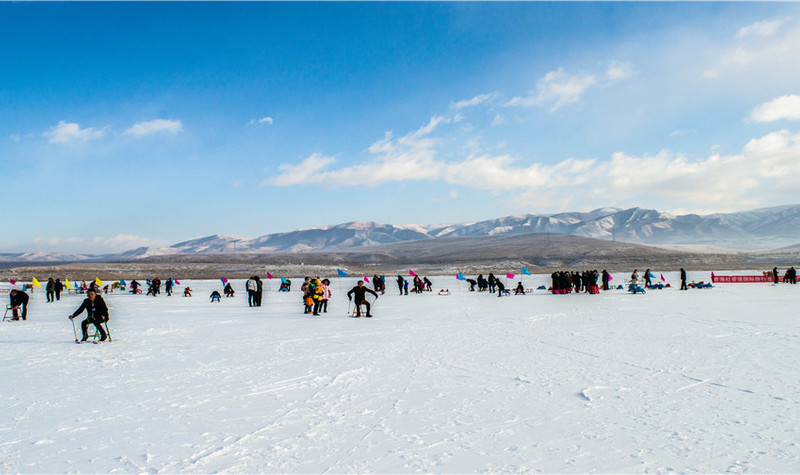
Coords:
pixel 97 244
pixel 263 120
pixel 66 132
pixel 475 101
pixel 782 108
pixel 155 126
pixel 763 50
pixel 617 71
pixel 15 137
pixel 304 172
pixel 762 28
pixel 557 89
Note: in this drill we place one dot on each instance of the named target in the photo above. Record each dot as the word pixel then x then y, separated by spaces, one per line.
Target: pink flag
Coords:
pixel 366 279
pixel 662 278
pixel 13 282
pixel 269 276
pixel 510 275
pixel 412 273
pixel 610 278
pixel 177 283
pixel 224 280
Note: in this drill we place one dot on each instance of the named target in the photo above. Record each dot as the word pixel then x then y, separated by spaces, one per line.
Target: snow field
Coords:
pixel 701 380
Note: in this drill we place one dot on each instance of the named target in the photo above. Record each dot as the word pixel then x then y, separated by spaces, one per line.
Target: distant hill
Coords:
pixel 756 230
pixel 766 228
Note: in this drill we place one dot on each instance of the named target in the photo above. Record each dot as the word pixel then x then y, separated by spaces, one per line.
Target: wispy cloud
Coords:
pixel 475 101
pixel 782 108
pixel 763 48
pixel 263 120
pixel 762 28
pixel 97 244
pixel 66 132
pixel 617 71
pixel 155 126
pixel 556 89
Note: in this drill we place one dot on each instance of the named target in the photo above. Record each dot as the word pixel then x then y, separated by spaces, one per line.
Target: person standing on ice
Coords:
pixel 683 279
pixel 168 287
pixel 647 282
pixel 58 288
pixel 360 293
pixel 635 277
pixel 492 281
pixel 250 285
pixel 605 279
pixel 774 275
pixel 326 295
pixel 259 290
pixel 501 289
pixel 96 314
pixel 400 282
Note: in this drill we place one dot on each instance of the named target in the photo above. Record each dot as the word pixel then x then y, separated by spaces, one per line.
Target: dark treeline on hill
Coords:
pixel 539 252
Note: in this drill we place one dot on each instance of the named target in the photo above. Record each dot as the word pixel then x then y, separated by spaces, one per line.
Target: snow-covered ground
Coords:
pixel 702 380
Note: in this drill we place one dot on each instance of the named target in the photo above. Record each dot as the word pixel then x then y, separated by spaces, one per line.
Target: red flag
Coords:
pixel 412 273
pixel 13 282
pixel 662 278
pixel 269 276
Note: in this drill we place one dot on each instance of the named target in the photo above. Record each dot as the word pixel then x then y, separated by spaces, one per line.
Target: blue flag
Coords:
pixel 284 281
pixel 122 283
pixel 525 271
pixel 341 273
pixel 460 276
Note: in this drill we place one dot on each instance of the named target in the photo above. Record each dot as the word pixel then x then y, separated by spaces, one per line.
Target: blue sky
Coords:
pixel 127 124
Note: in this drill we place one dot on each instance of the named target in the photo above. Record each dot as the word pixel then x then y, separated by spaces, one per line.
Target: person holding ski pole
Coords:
pixel 97 314
pixel 360 293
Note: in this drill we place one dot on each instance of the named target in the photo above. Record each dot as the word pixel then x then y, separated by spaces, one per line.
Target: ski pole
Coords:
pixel 348 306
pixel 108 332
pixel 74 330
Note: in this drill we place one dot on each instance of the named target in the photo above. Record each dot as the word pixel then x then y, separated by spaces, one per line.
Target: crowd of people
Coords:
pixel 316 292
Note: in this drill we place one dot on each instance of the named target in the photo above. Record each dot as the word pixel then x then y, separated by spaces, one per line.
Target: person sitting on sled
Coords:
pixel 519 290
pixel 96 314
pixel 361 297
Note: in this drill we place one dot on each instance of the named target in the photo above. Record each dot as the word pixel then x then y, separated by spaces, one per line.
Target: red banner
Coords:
pixel 735 279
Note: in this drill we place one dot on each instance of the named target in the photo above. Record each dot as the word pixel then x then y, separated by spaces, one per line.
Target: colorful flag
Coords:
pixel 341 273
pixel 284 281
pixel 269 276
pixel 14 282
pixel 366 279
pixel 98 281
pixel 66 284
pixel 510 275
pixel 525 271
pixel 176 282
pixel 412 273
pixel 610 278
pixel 662 278
pixel 122 283
pixel 460 276
pixel 36 283
pixel 651 275
pixel 224 280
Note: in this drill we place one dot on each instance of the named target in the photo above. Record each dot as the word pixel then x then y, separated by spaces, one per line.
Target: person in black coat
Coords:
pixel 18 300
pixel 774 275
pixel 683 280
pixel 360 293
pixel 96 314
pixel 400 283
pixel 59 287
pixel 605 279
pixel 50 290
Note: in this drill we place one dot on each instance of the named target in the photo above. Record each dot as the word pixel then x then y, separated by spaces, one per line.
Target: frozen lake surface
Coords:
pixel 701 380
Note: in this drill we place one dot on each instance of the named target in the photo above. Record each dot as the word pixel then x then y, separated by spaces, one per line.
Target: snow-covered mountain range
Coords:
pixel 759 229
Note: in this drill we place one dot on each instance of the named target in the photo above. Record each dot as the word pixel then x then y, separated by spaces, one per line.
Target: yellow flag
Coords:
pixel 98 281
pixel 67 284
pixel 36 283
